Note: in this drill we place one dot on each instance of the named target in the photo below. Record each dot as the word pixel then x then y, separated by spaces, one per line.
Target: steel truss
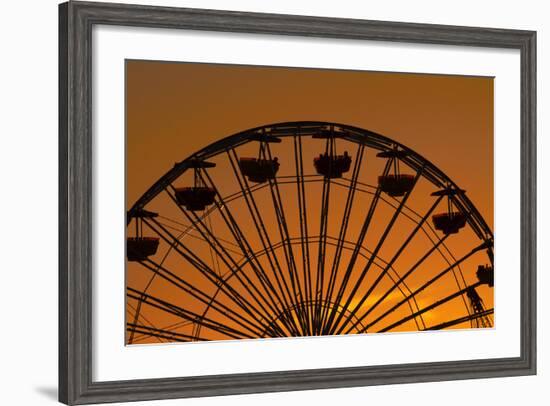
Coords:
pixel 283 277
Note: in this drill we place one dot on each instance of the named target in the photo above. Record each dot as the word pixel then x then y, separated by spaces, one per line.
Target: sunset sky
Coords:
pixel 175 109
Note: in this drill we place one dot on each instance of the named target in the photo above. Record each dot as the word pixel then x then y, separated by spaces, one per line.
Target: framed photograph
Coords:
pixel 259 202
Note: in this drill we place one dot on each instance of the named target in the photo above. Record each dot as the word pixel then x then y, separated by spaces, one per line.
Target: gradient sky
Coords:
pixel 175 109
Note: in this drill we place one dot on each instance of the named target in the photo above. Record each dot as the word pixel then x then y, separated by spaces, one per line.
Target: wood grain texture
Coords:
pixel 76 20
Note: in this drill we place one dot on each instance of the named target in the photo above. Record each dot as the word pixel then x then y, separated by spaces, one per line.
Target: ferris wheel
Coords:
pixel 305 229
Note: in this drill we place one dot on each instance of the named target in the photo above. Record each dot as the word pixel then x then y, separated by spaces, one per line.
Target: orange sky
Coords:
pixel 175 109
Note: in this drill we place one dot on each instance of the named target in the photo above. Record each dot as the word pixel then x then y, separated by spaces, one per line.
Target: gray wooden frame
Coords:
pixel 76 20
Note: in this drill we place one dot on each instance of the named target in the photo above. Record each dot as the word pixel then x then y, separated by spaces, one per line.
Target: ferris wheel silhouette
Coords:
pixel 305 229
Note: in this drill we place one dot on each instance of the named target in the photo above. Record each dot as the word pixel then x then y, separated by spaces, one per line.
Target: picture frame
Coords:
pixel 76 352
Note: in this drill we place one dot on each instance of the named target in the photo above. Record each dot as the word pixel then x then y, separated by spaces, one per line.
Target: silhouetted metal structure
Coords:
pixel 450 221
pixel 477 309
pixel 245 271
pixel 138 246
pixel 198 196
pixel 395 184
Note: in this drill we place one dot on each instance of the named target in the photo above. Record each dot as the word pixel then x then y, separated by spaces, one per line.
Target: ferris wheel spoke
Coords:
pixel 185 314
pixel 255 326
pixel 394 280
pixel 357 248
pixel 259 296
pixel 190 228
pixel 244 245
pixel 323 226
pixel 187 254
pixel 390 264
pixel 427 284
pixel 161 333
pixel 470 317
pixel 404 277
pixel 302 207
pixel 222 253
pixel 286 245
pixel 278 294
pixel 136 317
pixel 285 295
pixel 209 273
pixel 170 327
pixel 404 293
pixel 283 229
pixel 200 238
pixel 343 229
pixel 321 254
pixel 158 336
pixel 430 307
pixel 349 318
